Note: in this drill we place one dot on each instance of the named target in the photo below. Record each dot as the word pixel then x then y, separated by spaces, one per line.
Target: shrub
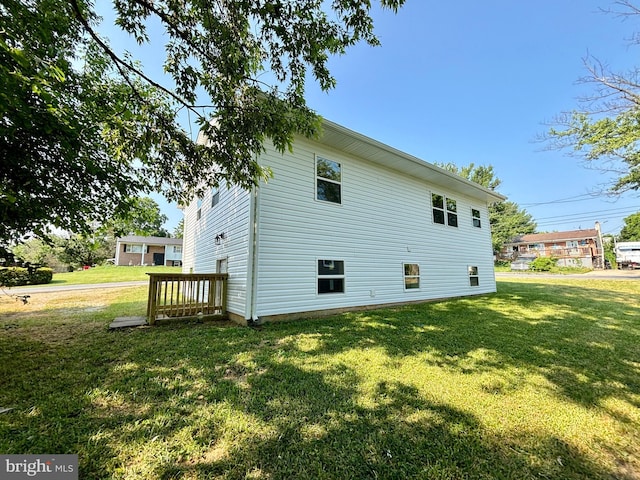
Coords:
pixel 17 276
pixel 543 264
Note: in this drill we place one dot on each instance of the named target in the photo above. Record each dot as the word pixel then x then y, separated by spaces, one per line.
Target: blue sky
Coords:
pixel 466 82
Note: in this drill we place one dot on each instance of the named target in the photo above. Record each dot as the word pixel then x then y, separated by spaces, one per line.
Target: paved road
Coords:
pixel 594 275
pixel 69 288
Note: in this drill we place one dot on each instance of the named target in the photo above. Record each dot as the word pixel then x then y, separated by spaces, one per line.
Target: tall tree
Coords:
pixel 38 252
pixel 631 230
pixel 605 131
pixel 83 128
pixel 507 220
pixel 178 232
pixel 86 249
pixel 60 124
pixel 141 216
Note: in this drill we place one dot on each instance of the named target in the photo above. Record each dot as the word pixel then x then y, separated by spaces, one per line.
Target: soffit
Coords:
pixel 359 145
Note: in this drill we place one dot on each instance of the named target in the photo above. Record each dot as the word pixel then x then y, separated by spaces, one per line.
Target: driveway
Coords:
pixel 26 290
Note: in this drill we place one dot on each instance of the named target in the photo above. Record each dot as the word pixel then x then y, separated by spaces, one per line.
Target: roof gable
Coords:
pixel 346 140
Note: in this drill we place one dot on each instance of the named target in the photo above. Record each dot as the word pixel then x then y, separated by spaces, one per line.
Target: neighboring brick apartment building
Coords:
pixel 136 250
pixel 571 248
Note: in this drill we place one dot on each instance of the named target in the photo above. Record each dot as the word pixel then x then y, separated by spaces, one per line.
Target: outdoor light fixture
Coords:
pixel 219 237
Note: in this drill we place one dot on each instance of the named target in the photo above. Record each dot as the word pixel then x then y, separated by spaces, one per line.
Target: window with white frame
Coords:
pixel 411 276
pixel 199 212
pixel 128 248
pixel 474 280
pixel 177 249
pixel 437 204
pixel 444 208
pixel 452 215
pixel 215 196
pixel 328 180
pixel 475 215
pixel 330 276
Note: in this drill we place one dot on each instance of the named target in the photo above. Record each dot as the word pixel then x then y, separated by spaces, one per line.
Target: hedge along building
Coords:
pixel 346 222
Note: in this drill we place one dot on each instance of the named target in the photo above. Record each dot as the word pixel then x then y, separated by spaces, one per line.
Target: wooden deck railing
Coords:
pixel 183 295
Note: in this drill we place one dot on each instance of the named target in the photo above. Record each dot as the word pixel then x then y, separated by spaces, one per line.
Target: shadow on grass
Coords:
pixel 584 341
pixel 202 401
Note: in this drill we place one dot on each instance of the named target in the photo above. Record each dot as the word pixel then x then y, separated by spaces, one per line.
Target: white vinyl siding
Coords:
pixel 372 234
pixel 228 217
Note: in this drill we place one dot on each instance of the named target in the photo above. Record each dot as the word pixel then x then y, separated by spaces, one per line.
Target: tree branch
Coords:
pixel 120 64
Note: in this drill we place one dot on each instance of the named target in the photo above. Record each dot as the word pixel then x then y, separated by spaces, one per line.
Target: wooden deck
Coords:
pixel 186 295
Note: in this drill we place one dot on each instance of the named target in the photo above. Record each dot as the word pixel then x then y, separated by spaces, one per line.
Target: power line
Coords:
pixel 611 211
pixel 577 198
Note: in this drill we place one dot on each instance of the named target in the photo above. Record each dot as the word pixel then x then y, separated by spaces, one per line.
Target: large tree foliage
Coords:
pixel 86 249
pixel 507 220
pixel 83 128
pixel 605 131
pixel 141 217
pixel 178 231
pixel 631 230
pixel 60 124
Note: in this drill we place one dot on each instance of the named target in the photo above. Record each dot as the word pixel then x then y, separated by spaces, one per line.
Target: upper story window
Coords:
pixel 444 208
pixel 199 212
pixel 452 215
pixel 215 196
pixel 328 180
pixel 475 214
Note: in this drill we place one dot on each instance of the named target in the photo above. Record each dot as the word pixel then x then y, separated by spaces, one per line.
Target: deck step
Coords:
pixel 127 322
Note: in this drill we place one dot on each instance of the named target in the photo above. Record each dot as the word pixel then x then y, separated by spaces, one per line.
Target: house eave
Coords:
pixel 344 139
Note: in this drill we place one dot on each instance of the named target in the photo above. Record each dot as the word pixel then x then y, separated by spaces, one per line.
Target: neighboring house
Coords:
pixel 136 250
pixel 346 222
pixel 575 248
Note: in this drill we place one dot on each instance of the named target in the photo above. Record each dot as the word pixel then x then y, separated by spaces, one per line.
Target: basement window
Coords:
pixel 474 280
pixel 330 276
pixel 411 276
pixel 328 180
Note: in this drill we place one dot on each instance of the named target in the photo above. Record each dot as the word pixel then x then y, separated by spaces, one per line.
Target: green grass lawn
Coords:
pixel 538 381
pixel 108 274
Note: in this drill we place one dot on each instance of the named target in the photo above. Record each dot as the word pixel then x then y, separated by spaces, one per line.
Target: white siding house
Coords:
pixel 346 222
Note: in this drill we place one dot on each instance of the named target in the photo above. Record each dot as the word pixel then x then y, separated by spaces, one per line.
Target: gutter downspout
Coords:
pixel 252 291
